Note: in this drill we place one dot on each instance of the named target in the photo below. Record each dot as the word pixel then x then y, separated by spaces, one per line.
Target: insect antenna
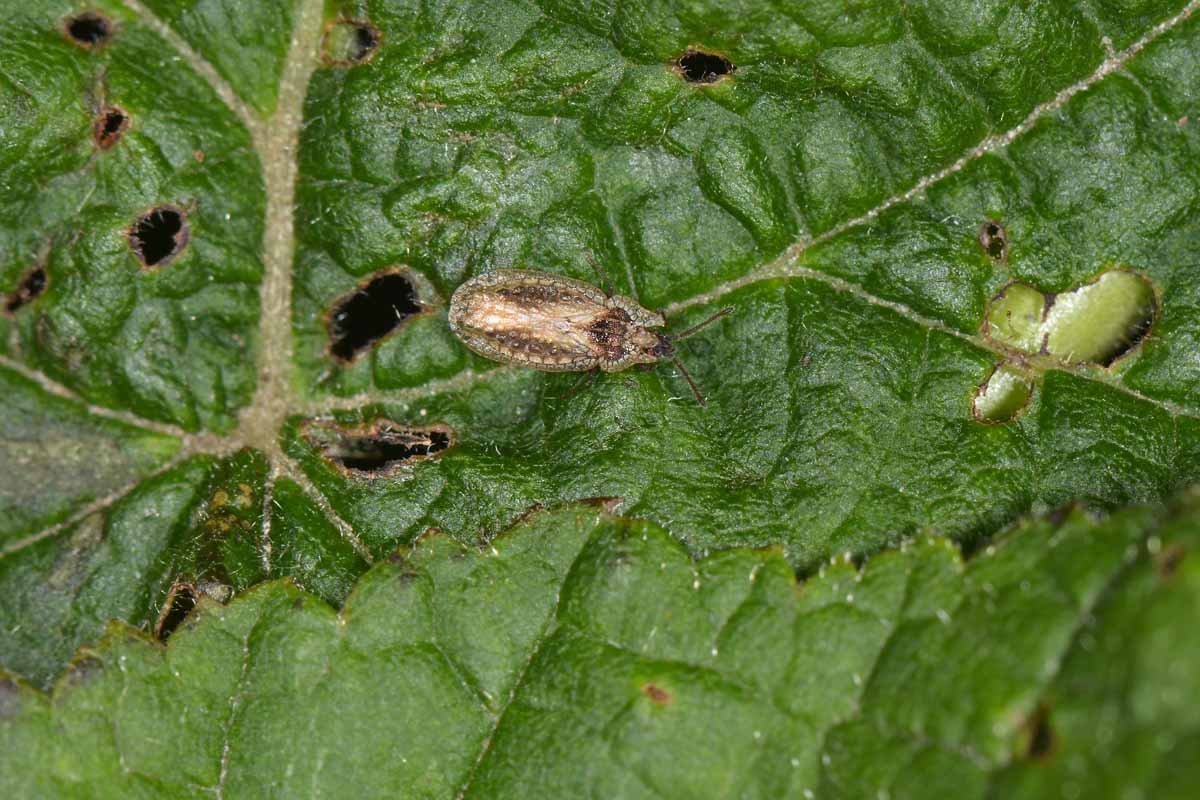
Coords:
pixel 695 389
pixel 605 279
pixel 704 324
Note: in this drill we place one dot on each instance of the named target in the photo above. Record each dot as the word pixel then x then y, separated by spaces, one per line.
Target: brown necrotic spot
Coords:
pixel 657 694
pixel 993 238
pixel 32 285
pixel 89 29
pixel 159 235
pixel 109 127
pixel 699 66
pixel 349 42
pixel 180 602
pixel 373 310
pixel 379 448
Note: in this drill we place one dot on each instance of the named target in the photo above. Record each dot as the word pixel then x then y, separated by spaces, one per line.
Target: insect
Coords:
pixel 557 324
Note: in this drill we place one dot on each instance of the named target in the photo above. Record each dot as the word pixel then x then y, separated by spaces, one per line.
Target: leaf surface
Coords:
pixel 958 239
pixel 583 652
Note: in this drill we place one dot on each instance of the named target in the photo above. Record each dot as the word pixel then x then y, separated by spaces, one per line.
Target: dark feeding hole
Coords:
pixel 1040 742
pixel 377 449
pixel 370 312
pixel 697 66
pixel 89 29
pixel 32 285
pixel 993 238
pixel 159 235
pixel 349 42
pixel 180 603
pixel 387 448
pixel 366 39
pixel 109 127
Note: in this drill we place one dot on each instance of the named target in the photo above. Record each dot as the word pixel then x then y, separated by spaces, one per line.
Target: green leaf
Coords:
pixel 958 239
pixel 583 652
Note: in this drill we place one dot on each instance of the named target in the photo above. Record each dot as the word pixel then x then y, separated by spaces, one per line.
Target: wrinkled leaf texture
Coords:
pixel 985 608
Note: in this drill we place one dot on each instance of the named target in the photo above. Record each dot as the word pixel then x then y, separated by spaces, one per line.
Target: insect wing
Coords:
pixel 534 319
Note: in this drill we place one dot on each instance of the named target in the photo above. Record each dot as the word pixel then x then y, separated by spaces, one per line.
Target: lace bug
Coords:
pixel 554 323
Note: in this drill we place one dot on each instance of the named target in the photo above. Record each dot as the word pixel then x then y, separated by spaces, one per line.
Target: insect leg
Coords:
pixel 605 279
pixel 704 324
pixel 695 389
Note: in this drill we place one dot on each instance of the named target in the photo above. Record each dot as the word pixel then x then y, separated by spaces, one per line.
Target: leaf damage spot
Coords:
pixel 1002 396
pixel 701 66
pixel 89 30
pixel 180 602
pixel 1102 320
pixel 377 449
pixel 1094 324
pixel 33 284
pixel 1014 316
pixel 372 311
pixel 993 238
pixel 109 127
pixel 159 236
pixel 350 42
pixel 657 694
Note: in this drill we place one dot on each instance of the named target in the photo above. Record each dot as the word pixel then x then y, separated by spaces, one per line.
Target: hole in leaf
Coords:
pixel 993 238
pixel 159 235
pixel 349 42
pixel 1100 321
pixel 1096 323
pixel 656 693
pixel 89 29
pixel 180 602
pixel 370 312
pixel 379 448
pixel 697 66
pixel 1002 396
pixel 1039 739
pixel 1014 317
pixel 31 286
pixel 109 127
